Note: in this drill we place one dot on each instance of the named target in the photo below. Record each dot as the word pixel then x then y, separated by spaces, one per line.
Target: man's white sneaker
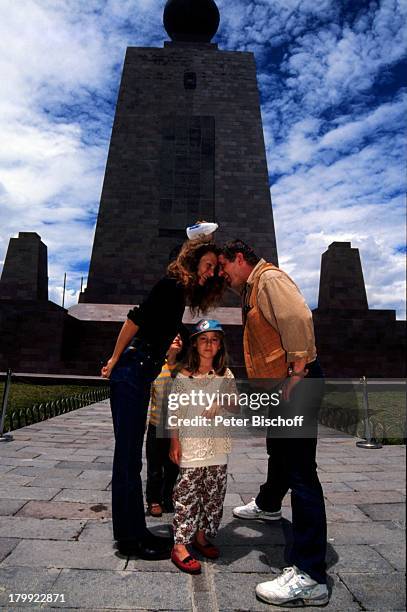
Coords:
pixel 293 587
pixel 252 511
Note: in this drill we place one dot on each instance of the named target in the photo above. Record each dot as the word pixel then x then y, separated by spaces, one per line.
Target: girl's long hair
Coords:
pixel 185 269
pixel 220 361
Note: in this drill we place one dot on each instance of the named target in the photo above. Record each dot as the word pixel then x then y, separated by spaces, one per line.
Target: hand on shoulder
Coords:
pixel 185 372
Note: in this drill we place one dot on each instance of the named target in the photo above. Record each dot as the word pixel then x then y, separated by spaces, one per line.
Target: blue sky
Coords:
pixel 330 74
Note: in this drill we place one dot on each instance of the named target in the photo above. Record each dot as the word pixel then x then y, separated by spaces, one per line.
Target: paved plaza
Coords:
pixel 55 528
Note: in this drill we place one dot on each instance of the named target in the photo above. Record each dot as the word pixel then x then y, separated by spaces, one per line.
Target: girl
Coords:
pixel 202 456
pixel 136 361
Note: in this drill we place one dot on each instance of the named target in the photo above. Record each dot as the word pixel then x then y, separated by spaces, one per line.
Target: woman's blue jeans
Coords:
pixel 130 384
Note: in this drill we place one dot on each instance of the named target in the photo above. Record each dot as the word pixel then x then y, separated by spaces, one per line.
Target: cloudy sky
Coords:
pixel 333 104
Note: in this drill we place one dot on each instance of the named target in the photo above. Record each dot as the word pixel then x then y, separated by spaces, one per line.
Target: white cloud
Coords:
pixel 334 141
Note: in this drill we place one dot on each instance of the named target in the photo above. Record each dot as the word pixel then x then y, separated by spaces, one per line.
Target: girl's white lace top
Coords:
pixel 202 443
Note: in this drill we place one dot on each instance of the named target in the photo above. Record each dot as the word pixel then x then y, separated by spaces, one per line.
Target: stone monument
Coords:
pixel 31 326
pixel 187 144
pixel 353 340
pixel 25 271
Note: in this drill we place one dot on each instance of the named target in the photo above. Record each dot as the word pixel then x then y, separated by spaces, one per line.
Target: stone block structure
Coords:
pixel 31 327
pixel 187 144
pixel 341 284
pixel 352 340
pixel 25 271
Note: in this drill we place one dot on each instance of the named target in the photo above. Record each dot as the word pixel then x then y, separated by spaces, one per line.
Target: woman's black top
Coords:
pixel 159 317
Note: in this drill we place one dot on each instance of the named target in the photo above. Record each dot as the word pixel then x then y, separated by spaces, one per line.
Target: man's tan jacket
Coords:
pixel 278 326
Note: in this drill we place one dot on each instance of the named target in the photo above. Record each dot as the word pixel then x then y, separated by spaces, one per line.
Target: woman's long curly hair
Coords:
pixel 200 298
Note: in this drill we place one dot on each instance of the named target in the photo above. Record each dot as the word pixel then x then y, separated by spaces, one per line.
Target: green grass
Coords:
pixel 344 410
pixel 24 396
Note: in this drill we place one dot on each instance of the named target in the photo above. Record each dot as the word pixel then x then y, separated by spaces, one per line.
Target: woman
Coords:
pixel 136 361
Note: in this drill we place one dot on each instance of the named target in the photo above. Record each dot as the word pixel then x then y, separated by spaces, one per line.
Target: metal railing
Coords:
pixel 371 425
pixel 11 420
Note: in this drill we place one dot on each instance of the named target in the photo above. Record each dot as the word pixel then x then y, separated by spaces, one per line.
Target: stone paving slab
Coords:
pixel 350 466
pixel 395 554
pixel 126 590
pixel 385 512
pixel 246 559
pixel 374 594
pixel 364 533
pixel 95 475
pixel 75 555
pixel 245 477
pixel 97 531
pixel 232 500
pixel 378 485
pixel 39 529
pixel 84 465
pixel 44 452
pixel 334 487
pixel 98 482
pixel 7 452
pixel 348 514
pixel 9 507
pixel 357 558
pixel 25 580
pixel 49 473
pixel 5 468
pixel 243 487
pixel 242 533
pixel 40 493
pixel 365 497
pixel 6 546
pixel 64 510
pixel 84 496
pixel 58 537
pixel 12 461
pixel 350 477
pixel 13 480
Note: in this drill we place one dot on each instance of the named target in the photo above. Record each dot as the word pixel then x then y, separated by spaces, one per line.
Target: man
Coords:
pixel 279 344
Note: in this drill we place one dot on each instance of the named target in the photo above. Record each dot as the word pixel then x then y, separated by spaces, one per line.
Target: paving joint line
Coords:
pixel 203 593
pixel 396 569
pixel 355 599
pixel 78 534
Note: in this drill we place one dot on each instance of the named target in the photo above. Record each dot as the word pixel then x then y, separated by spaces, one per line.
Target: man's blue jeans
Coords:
pixel 130 384
pixel 292 466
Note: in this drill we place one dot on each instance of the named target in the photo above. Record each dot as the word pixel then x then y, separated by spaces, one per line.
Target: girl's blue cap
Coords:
pixel 207 325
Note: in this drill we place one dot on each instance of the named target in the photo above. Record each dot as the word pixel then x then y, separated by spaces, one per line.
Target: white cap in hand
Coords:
pixel 201 230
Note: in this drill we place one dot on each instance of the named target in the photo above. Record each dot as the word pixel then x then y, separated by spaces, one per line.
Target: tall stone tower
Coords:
pixel 187 144
pixel 25 272
pixel 341 284
pixel 352 339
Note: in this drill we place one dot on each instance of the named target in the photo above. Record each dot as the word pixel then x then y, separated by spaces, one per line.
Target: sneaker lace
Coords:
pixel 252 505
pixel 288 573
